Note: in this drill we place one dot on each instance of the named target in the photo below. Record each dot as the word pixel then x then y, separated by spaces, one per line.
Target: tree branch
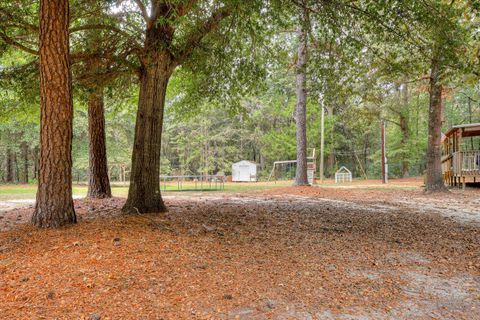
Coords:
pixel 184 8
pixel 101 78
pixel 121 59
pixel 157 8
pixel 17 45
pixel 195 38
pixel 143 10
pixel 17 22
pixel 169 10
pixel 394 122
pixel 99 27
pixel 391 108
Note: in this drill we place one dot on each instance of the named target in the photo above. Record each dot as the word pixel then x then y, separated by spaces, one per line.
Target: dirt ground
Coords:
pixel 285 253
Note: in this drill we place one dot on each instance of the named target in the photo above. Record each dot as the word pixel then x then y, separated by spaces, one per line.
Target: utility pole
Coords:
pixel 322 134
pixel 384 158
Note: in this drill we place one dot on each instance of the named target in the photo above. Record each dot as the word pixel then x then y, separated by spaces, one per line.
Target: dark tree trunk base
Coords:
pixel 302 184
pixel 98 195
pixel 53 218
pixel 436 189
pixel 138 208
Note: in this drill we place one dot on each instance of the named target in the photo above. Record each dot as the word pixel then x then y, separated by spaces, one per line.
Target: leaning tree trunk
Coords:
pixel 98 183
pixel 54 206
pixel 301 178
pixel 144 192
pixel 434 179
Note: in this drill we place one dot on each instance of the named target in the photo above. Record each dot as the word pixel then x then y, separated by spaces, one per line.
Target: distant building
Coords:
pixel 244 171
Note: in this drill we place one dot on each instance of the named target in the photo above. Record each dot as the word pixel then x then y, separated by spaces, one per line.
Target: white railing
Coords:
pixel 466 163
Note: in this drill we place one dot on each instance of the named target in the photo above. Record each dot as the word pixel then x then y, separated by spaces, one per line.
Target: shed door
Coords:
pixel 244 172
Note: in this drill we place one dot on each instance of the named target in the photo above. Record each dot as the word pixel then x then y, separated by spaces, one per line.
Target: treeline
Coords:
pixel 132 71
pixel 210 140
pixel 19 161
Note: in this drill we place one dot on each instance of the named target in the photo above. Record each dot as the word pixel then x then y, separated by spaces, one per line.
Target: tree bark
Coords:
pixel 434 179
pixel 405 129
pixel 54 206
pixel 144 192
pixel 9 169
pixel 98 183
pixel 15 170
pixel 24 147
pixel 157 64
pixel 35 155
pixel 301 178
pixel 331 156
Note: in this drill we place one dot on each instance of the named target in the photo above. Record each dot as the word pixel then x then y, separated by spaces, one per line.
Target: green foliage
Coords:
pixel 234 97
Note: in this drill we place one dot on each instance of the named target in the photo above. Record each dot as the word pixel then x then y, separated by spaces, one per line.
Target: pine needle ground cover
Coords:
pixel 287 253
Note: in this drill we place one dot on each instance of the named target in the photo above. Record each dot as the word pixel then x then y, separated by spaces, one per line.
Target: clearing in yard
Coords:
pixel 175 145
pixel 283 253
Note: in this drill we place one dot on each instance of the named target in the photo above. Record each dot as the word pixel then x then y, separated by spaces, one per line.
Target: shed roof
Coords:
pixel 343 169
pixel 245 162
pixel 468 129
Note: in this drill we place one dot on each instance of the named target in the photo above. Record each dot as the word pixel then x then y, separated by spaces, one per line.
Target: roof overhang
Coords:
pixel 468 130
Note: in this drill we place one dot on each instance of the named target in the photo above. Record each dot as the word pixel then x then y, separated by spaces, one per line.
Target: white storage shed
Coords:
pixel 244 171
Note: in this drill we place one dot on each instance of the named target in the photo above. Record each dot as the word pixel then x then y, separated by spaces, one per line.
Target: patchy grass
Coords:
pixel 12 192
pixel 19 192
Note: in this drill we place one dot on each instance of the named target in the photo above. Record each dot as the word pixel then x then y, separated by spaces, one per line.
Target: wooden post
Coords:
pixel 460 157
pixel 384 171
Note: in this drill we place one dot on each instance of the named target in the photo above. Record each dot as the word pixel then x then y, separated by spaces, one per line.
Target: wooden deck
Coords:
pixel 461 167
pixel 460 161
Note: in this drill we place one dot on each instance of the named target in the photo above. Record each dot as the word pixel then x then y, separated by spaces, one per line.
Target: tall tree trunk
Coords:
pixel 365 157
pixel 98 183
pixel 144 192
pixel 157 65
pixel 434 179
pixel 35 156
pixel 331 156
pixel 405 129
pixel 9 172
pixel 54 206
pixel 15 170
pixel 24 176
pixel 301 178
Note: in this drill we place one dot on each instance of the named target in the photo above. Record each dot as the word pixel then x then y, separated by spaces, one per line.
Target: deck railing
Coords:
pixel 466 163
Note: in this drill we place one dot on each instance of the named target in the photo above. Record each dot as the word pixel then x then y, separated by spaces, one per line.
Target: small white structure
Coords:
pixel 244 171
pixel 343 175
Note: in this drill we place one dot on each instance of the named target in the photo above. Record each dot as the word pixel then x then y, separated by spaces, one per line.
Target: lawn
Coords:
pixel 24 192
